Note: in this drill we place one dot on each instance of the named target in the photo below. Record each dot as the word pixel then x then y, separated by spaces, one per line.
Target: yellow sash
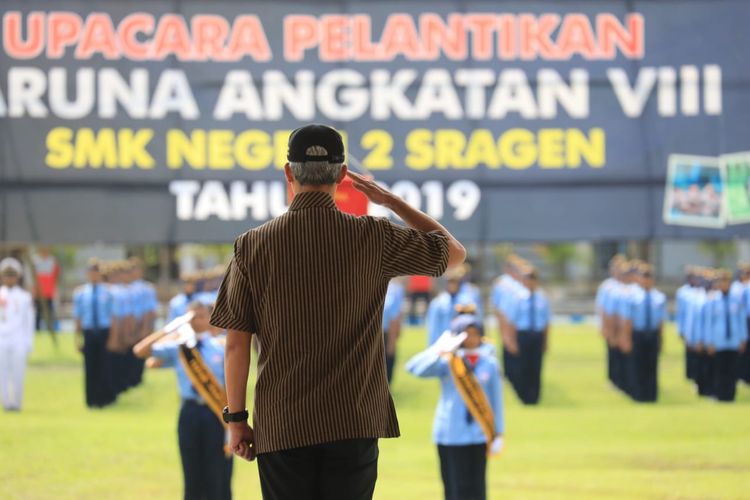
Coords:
pixel 204 383
pixel 474 397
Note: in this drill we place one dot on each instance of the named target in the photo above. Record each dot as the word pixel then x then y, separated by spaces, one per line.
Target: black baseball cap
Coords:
pixel 315 135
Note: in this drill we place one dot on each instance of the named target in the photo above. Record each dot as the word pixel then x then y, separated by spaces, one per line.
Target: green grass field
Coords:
pixel 584 441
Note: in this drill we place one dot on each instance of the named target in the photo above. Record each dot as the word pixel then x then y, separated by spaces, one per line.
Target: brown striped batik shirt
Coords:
pixel 311 285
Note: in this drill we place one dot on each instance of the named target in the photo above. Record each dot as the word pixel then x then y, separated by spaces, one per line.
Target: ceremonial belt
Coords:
pixel 205 384
pixel 474 397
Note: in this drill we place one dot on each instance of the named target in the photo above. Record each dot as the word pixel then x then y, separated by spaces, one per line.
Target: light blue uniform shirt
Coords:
pixel 451 425
pixel 441 311
pixel 603 290
pixel 143 297
pixel 83 306
pixel 645 309
pixel 178 306
pixel 212 352
pixel 394 301
pixel 742 291
pixel 682 298
pixel 725 321
pixel 505 284
pixel 123 301
pixel 529 310
pixel 694 317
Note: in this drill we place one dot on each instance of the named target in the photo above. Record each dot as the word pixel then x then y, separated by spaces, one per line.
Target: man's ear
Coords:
pixel 342 174
pixel 288 173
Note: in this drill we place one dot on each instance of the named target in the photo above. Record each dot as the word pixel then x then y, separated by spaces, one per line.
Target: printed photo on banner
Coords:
pixel 736 171
pixel 694 192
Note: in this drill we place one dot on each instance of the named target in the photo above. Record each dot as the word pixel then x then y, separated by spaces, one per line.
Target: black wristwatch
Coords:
pixel 239 416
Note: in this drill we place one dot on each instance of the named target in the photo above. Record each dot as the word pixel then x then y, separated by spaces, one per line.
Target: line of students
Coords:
pixel 713 317
pixel 632 314
pixel 113 310
pixel 523 316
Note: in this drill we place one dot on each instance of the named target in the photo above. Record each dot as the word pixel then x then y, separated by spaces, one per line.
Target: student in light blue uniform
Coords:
pixel 683 298
pixel 145 306
pixel 122 325
pixel 644 313
pixel 528 319
pixel 602 297
pixel 725 322
pixel 506 287
pixel 615 322
pixel 394 303
pixel 93 309
pixel 207 470
pixel 462 445
pixel 696 334
pixel 442 309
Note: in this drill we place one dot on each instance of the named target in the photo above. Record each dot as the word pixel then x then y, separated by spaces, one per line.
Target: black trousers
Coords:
pixel 643 365
pixel 96 361
pixel 463 469
pixel 40 314
pixel 510 366
pixel 119 371
pixel 705 373
pixel 744 365
pixel 726 364
pixel 619 360
pixel 610 363
pixel 134 369
pixel 345 470
pixel 529 370
pixel 691 363
pixel 206 470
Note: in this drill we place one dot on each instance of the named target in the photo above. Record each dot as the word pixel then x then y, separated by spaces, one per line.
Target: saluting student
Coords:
pixel 16 333
pixel 469 417
pixel 528 324
pixel 93 305
pixel 643 312
pixel 726 335
pixel 206 465
pixel 394 302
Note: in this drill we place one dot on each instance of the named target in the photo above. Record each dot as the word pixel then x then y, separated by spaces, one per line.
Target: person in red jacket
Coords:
pixel 47 273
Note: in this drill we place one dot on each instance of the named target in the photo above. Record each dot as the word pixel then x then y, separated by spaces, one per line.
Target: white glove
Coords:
pixel 497 445
pixel 448 342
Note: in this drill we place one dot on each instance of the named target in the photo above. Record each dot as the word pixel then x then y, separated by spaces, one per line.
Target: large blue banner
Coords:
pixel 167 121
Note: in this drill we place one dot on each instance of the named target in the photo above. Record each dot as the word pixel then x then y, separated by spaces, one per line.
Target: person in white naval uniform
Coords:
pixel 16 333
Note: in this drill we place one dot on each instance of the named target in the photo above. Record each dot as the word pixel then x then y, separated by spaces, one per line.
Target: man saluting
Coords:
pixel 311 285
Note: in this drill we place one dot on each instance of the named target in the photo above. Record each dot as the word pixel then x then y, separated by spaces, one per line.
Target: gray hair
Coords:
pixel 316 173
